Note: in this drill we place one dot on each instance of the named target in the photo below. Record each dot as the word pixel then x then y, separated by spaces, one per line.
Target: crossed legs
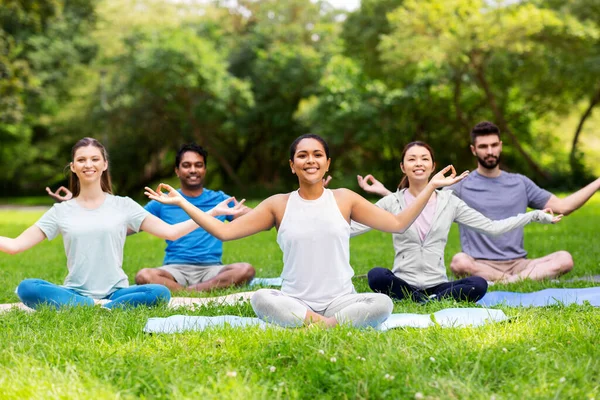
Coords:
pixel 36 292
pixel 230 275
pixel 550 266
pixel 357 309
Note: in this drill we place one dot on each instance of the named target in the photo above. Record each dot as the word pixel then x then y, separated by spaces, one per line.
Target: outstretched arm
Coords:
pixel 473 219
pixel 159 228
pixel 257 220
pixel 368 214
pixel 571 203
pixel 26 240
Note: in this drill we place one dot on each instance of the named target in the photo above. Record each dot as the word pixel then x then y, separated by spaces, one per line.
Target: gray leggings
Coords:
pixel 357 309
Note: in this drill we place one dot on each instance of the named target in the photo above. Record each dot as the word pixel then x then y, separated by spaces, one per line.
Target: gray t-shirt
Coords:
pixel 94 241
pixel 498 198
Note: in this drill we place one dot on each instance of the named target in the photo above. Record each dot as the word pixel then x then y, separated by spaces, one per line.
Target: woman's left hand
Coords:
pixel 171 196
pixel 555 218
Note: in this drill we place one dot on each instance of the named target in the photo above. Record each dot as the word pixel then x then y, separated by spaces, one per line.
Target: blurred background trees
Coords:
pixel 244 80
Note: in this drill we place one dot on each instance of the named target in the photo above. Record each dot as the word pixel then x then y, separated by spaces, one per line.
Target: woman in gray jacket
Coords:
pixel 419 272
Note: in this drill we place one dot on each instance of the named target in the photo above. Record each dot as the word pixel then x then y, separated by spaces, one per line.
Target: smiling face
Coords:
pixel 310 161
pixel 88 164
pixel 487 149
pixel 191 171
pixel 417 164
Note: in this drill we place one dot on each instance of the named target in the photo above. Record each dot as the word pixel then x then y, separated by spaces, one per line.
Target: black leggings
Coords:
pixel 382 280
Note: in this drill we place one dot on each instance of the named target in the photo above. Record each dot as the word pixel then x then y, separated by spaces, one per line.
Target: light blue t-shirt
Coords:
pixel 94 241
pixel 198 247
pixel 498 198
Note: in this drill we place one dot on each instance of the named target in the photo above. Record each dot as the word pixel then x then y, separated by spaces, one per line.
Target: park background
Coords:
pixel 244 78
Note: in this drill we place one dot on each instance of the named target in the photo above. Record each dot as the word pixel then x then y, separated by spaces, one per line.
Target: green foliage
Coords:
pixel 43 47
pixel 244 80
pixel 183 79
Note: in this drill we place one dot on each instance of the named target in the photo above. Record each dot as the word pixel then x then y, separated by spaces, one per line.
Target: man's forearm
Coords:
pixel 577 199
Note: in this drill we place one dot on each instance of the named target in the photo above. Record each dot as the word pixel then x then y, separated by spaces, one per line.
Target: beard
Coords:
pixel 489 162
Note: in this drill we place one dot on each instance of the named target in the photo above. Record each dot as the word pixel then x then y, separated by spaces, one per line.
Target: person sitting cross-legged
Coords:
pixel 193 262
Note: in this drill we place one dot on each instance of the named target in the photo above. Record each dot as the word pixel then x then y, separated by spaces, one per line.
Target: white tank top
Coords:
pixel 315 240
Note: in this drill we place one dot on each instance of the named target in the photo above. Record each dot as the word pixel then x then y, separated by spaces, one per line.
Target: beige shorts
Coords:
pixel 508 267
pixel 189 274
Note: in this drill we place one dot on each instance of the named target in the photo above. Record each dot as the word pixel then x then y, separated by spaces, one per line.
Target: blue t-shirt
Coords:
pixel 498 198
pixel 198 247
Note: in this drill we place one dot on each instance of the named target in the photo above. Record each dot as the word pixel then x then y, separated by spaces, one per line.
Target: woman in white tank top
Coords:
pixel 313 226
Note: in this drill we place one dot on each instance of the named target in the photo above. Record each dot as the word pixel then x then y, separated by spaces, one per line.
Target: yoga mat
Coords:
pixel 448 318
pixel 546 297
pixel 266 282
pixel 588 278
pixel 183 323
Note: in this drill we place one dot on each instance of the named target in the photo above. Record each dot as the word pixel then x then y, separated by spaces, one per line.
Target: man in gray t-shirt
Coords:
pixel 498 194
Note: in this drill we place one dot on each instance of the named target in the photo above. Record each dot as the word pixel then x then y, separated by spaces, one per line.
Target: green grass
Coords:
pixel 543 353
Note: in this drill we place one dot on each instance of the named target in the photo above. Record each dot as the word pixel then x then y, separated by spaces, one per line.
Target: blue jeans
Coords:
pixel 35 292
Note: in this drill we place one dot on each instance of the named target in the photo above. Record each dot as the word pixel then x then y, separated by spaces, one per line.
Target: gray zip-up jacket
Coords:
pixel 421 262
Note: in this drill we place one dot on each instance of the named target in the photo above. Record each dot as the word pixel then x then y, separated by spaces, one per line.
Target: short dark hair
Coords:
pixel 483 129
pixel 190 147
pixel 308 136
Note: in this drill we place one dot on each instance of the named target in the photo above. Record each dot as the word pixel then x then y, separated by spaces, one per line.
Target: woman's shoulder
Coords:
pixel 120 201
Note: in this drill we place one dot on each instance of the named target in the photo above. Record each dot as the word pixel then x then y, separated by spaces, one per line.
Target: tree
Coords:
pixel 495 49
pixel 44 45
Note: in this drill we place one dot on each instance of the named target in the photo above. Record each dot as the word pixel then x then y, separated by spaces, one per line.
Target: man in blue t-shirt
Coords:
pixel 193 262
pixel 499 194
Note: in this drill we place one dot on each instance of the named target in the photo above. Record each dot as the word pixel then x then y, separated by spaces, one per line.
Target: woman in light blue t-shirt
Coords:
pixel 94 225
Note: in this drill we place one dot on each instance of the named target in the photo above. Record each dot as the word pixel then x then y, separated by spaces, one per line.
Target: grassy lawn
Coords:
pixel 543 353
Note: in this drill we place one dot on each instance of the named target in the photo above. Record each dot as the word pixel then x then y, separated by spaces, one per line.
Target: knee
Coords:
pixel 384 305
pixel 28 288
pixel 461 264
pixel 247 272
pixel 480 287
pixel 260 301
pixel 161 292
pixel 380 310
pixel 380 279
pixel 565 262
pixel 145 276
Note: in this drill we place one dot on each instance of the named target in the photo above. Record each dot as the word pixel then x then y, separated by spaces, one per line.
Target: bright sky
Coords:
pixel 349 5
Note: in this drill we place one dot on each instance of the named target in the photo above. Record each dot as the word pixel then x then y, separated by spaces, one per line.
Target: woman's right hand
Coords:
pixel 371 185
pixel 171 196
pixel 61 194
pixel 237 210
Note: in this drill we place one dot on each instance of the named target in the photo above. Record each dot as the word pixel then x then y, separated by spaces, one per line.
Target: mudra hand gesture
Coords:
pixel 371 185
pixel 440 179
pixel 61 194
pixel 165 194
pixel 555 218
pixel 223 208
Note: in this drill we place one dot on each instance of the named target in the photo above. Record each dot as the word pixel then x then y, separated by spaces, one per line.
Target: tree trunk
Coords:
pixel 502 121
pixel 206 140
pixel 593 102
pixel 460 116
